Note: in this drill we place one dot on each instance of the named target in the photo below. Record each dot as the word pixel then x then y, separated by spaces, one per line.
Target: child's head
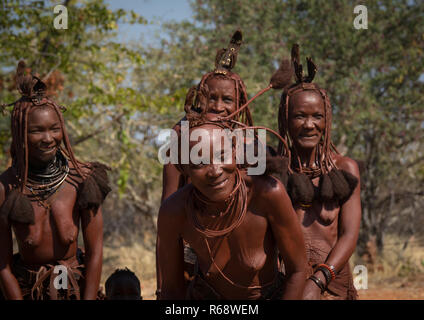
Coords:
pixel 123 284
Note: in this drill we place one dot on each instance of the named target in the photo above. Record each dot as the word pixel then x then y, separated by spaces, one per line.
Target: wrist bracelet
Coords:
pixel 327 274
pixel 318 282
pixel 330 268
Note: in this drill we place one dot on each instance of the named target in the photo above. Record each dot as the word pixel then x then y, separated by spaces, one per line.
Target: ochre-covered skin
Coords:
pixel 54 234
pixel 331 228
pixel 221 102
pixel 248 254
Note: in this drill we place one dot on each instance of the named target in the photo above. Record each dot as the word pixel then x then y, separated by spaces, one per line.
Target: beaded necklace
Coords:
pixel 44 183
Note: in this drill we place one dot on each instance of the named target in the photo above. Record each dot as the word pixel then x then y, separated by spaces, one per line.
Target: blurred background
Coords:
pixel 122 69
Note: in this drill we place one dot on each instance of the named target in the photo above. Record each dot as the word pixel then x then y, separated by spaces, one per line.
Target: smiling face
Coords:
pixel 214 180
pixel 306 119
pixel 222 97
pixel 44 136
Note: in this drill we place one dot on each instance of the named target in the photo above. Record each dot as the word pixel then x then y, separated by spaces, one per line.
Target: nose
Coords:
pixel 217 106
pixel 215 170
pixel 309 124
pixel 47 138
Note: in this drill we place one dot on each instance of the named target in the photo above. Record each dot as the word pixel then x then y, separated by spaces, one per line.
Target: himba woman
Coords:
pixel 44 196
pixel 322 184
pixel 237 225
pixel 219 93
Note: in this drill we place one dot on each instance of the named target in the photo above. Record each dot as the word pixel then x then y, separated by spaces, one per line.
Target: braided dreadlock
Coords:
pixel 333 182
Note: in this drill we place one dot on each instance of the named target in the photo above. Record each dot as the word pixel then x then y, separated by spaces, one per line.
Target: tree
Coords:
pixel 89 72
pixel 374 78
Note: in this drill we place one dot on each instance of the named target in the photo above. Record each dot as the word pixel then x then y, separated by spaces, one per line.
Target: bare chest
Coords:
pixel 56 220
pixel 244 249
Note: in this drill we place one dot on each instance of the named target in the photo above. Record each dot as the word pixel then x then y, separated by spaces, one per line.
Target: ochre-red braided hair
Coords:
pixel 33 96
pixel 325 147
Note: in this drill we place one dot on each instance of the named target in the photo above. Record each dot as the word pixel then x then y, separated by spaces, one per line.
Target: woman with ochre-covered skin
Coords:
pixel 323 186
pixel 44 197
pixel 218 94
pixel 236 224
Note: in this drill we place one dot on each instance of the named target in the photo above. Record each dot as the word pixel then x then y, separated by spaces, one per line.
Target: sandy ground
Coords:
pixel 411 288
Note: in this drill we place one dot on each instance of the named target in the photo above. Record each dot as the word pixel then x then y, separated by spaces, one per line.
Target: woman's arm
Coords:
pixel 170 253
pixel 289 237
pixel 170 180
pixel 349 221
pixel 92 229
pixel 8 283
pixel 348 228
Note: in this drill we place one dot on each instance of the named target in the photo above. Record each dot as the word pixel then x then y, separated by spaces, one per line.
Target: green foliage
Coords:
pixel 90 72
pixel 83 64
pixel 118 96
pixel 372 76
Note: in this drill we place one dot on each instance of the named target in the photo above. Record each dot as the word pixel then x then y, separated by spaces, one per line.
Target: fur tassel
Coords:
pixel 351 180
pixel 283 76
pixel 17 207
pixel 300 188
pixel 277 165
pixel 340 185
pixel 326 188
pixel 95 188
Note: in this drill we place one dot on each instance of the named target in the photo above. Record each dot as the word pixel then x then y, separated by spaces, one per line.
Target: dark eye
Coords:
pixel 319 116
pixel 298 116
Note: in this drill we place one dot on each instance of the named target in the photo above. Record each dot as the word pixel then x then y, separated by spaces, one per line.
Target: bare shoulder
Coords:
pixel 173 208
pixel 267 187
pixel 271 199
pixel 177 126
pixel 347 164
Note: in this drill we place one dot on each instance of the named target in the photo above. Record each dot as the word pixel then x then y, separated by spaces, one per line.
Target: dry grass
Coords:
pixel 396 260
pixel 398 273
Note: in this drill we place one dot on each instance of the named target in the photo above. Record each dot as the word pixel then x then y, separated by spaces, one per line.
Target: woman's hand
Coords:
pixel 312 291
